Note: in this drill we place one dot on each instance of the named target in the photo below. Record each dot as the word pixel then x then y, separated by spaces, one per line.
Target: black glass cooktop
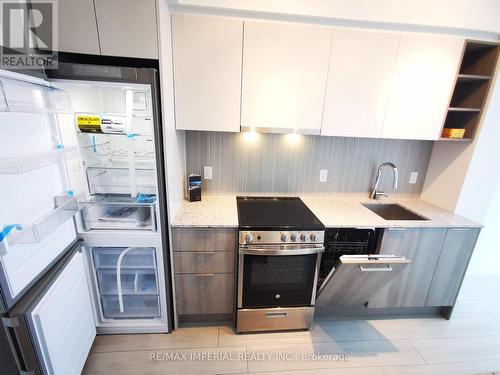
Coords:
pixel 276 213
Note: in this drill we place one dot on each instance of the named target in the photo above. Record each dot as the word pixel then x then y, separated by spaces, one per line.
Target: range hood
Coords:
pixel 258 129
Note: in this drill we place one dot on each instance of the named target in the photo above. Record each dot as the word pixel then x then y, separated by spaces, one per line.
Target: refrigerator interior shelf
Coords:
pixel 31 163
pixel 124 163
pixel 120 181
pixel 65 208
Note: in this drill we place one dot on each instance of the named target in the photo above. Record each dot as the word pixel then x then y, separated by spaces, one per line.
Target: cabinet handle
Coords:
pixel 460 229
pixel 204 274
pixel 395 229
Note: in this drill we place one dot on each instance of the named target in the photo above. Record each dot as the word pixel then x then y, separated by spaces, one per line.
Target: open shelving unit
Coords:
pixel 471 88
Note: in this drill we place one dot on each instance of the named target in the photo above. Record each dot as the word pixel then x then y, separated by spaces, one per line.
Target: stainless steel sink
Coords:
pixel 392 211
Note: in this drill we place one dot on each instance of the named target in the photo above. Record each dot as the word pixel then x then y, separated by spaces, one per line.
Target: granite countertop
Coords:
pixel 221 211
pixel 349 212
pixel 212 211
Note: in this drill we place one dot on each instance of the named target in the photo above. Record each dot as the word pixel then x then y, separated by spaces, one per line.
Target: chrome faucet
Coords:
pixel 377 194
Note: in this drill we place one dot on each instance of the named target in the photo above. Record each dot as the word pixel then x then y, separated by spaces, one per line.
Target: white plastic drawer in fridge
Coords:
pixel 132 282
pixel 134 306
pixel 137 257
pixel 119 212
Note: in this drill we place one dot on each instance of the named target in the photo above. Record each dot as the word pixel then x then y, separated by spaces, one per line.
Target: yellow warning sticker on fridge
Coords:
pixel 89 123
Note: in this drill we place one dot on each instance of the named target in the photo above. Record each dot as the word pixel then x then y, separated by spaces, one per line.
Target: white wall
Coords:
pixel 482 15
pixel 174 143
pixel 486 250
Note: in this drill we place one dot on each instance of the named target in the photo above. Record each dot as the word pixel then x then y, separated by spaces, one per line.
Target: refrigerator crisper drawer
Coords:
pixel 132 282
pixel 140 257
pixel 119 212
pixel 134 306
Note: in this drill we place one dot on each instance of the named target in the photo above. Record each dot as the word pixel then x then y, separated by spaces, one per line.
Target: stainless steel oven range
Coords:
pixel 279 254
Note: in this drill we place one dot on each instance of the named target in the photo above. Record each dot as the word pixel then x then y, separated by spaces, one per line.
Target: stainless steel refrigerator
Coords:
pixel 83 219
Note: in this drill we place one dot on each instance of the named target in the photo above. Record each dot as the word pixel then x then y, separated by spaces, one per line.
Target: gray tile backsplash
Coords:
pixel 275 163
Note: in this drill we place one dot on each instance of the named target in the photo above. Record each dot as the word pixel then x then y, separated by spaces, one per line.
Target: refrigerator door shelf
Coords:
pixel 119 212
pixel 107 258
pixel 65 208
pixel 34 96
pixel 28 164
pixel 135 307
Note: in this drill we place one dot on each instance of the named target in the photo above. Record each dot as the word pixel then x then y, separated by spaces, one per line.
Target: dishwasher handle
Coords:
pixel 387 268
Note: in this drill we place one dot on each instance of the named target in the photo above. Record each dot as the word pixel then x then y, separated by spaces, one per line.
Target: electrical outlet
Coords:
pixel 413 177
pixel 323 175
pixel 207 173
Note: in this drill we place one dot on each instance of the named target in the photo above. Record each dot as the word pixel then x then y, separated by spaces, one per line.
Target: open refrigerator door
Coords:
pixel 38 201
pixel 83 219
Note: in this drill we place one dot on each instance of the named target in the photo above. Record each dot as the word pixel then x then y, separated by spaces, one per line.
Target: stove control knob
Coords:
pixel 249 238
pixel 314 237
pixel 294 237
pixel 284 237
pixel 303 237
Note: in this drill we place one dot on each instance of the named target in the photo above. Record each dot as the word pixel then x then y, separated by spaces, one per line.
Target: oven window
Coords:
pixel 278 281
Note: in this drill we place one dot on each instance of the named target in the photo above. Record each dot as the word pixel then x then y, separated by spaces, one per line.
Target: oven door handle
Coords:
pixel 267 251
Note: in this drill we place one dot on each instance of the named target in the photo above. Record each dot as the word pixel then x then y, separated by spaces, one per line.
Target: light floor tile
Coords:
pixel 322 331
pixel 190 337
pixel 368 353
pixel 339 371
pixel 140 362
pixel 227 337
pixel 491 367
pixel 458 349
pixel 437 327
pixel 476 308
pixel 343 330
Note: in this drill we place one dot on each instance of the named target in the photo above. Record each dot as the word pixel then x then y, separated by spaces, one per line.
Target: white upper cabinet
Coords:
pixel 127 28
pixel 426 66
pixel 285 67
pixel 359 80
pixel 207 72
pixel 77 27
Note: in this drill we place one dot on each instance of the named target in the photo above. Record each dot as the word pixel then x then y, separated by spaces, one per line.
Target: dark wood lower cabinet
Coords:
pixel 450 271
pixel 204 272
pixel 422 247
pixel 205 269
pixel 201 294
pixel 204 262
pixel 439 259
